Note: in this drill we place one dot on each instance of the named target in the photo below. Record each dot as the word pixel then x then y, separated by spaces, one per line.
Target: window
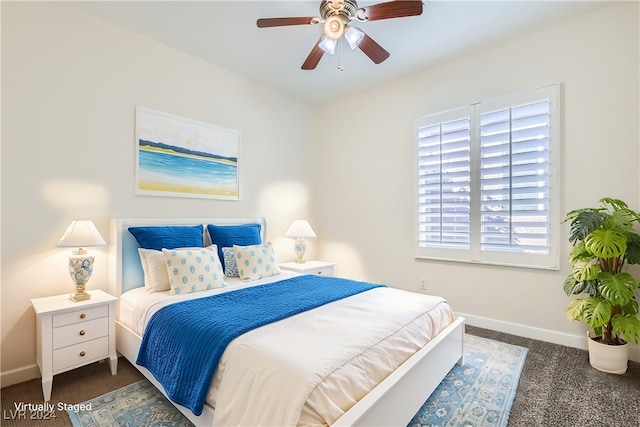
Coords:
pixel 486 182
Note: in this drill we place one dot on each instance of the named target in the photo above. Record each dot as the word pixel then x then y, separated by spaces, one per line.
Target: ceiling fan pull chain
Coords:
pixel 340 66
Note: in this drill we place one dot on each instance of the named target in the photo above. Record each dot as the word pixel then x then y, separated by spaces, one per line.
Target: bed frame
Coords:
pixel 393 402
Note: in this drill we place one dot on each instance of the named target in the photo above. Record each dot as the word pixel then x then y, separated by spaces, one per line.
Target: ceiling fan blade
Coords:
pixel 281 22
pixel 391 9
pixel 314 57
pixel 373 50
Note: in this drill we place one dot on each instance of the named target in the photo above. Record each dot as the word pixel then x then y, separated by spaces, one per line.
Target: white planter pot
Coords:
pixel 608 358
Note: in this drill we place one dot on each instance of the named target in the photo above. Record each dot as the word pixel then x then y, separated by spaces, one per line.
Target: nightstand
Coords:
pixel 319 268
pixel 73 334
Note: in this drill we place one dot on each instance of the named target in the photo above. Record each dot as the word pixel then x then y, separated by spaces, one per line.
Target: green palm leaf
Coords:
pixel 606 243
pixel 627 327
pixel 618 288
pixel 631 307
pixel 585 269
pixel 579 252
pixel 633 248
pixel 583 222
pixel 594 311
pixel 575 309
pixel 571 286
pixel 622 220
pixel 615 203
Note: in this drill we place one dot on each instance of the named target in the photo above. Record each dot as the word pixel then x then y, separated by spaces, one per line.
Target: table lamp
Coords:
pixel 299 230
pixel 81 234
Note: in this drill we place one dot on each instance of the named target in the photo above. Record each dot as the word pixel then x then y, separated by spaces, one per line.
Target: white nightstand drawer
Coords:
pixel 80 332
pixel 80 316
pixel 318 268
pixel 80 354
pixel 325 271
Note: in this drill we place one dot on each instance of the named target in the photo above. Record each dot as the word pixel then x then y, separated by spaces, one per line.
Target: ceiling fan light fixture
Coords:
pixel 334 27
pixel 328 45
pixel 354 36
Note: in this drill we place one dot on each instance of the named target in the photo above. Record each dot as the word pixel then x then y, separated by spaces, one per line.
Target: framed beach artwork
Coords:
pixel 181 157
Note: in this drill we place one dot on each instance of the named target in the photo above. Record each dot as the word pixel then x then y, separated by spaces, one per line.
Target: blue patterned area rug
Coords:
pixel 137 405
pixel 478 393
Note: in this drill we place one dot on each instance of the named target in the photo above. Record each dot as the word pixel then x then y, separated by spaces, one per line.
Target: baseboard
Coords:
pixel 20 375
pixel 554 337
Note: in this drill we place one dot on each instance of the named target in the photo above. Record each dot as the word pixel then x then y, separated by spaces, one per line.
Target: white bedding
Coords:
pixel 138 305
pixel 311 368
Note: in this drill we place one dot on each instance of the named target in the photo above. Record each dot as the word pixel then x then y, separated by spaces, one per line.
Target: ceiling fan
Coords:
pixel 336 16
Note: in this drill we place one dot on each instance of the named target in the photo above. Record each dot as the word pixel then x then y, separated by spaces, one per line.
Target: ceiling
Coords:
pixel 225 33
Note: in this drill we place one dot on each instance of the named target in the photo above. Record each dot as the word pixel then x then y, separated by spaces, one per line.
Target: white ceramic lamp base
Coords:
pixel 80 270
pixel 301 248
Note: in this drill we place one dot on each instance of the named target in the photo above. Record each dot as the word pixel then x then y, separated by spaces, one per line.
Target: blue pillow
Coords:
pixel 225 236
pixel 168 237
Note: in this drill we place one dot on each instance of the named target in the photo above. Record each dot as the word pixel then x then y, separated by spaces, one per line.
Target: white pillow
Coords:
pixel 256 261
pixel 155 270
pixel 154 267
pixel 193 270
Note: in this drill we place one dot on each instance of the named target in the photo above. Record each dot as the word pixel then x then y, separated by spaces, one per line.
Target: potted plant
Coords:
pixel 604 241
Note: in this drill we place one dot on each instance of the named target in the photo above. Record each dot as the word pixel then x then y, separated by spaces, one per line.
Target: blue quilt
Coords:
pixel 183 342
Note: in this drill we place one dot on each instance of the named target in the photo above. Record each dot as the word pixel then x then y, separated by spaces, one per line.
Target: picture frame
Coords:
pixel 181 157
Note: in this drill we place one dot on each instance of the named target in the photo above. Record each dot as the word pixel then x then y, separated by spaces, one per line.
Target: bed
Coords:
pixel 383 382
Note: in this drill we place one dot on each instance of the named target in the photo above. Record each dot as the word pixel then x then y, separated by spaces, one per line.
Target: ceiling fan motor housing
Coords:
pixel 336 14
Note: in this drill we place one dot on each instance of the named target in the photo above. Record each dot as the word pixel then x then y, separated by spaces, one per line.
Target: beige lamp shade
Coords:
pixel 300 228
pixel 81 234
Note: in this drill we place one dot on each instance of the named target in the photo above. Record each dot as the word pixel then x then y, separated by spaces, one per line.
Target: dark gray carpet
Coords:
pixel 558 388
pixel 69 387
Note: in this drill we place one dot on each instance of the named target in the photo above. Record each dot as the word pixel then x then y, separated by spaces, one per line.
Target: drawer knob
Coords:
pixel 82 353
pixel 82 332
pixel 319 273
pixel 82 316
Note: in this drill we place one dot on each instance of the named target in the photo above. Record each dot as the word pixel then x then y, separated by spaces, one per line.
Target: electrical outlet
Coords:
pixel 423 284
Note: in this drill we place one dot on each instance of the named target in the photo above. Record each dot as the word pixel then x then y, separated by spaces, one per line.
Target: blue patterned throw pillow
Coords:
pixel 193 270
pixel 230 266
pixel 255 261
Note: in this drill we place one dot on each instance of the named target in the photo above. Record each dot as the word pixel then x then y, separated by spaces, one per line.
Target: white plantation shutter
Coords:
pixel 486 182
pixel 444 182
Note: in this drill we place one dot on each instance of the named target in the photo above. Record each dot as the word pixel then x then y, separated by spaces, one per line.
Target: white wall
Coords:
pixel 594 57
pixel 70 84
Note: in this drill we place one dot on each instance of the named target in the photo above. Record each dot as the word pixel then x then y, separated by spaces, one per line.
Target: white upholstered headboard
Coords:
pixel 125 269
